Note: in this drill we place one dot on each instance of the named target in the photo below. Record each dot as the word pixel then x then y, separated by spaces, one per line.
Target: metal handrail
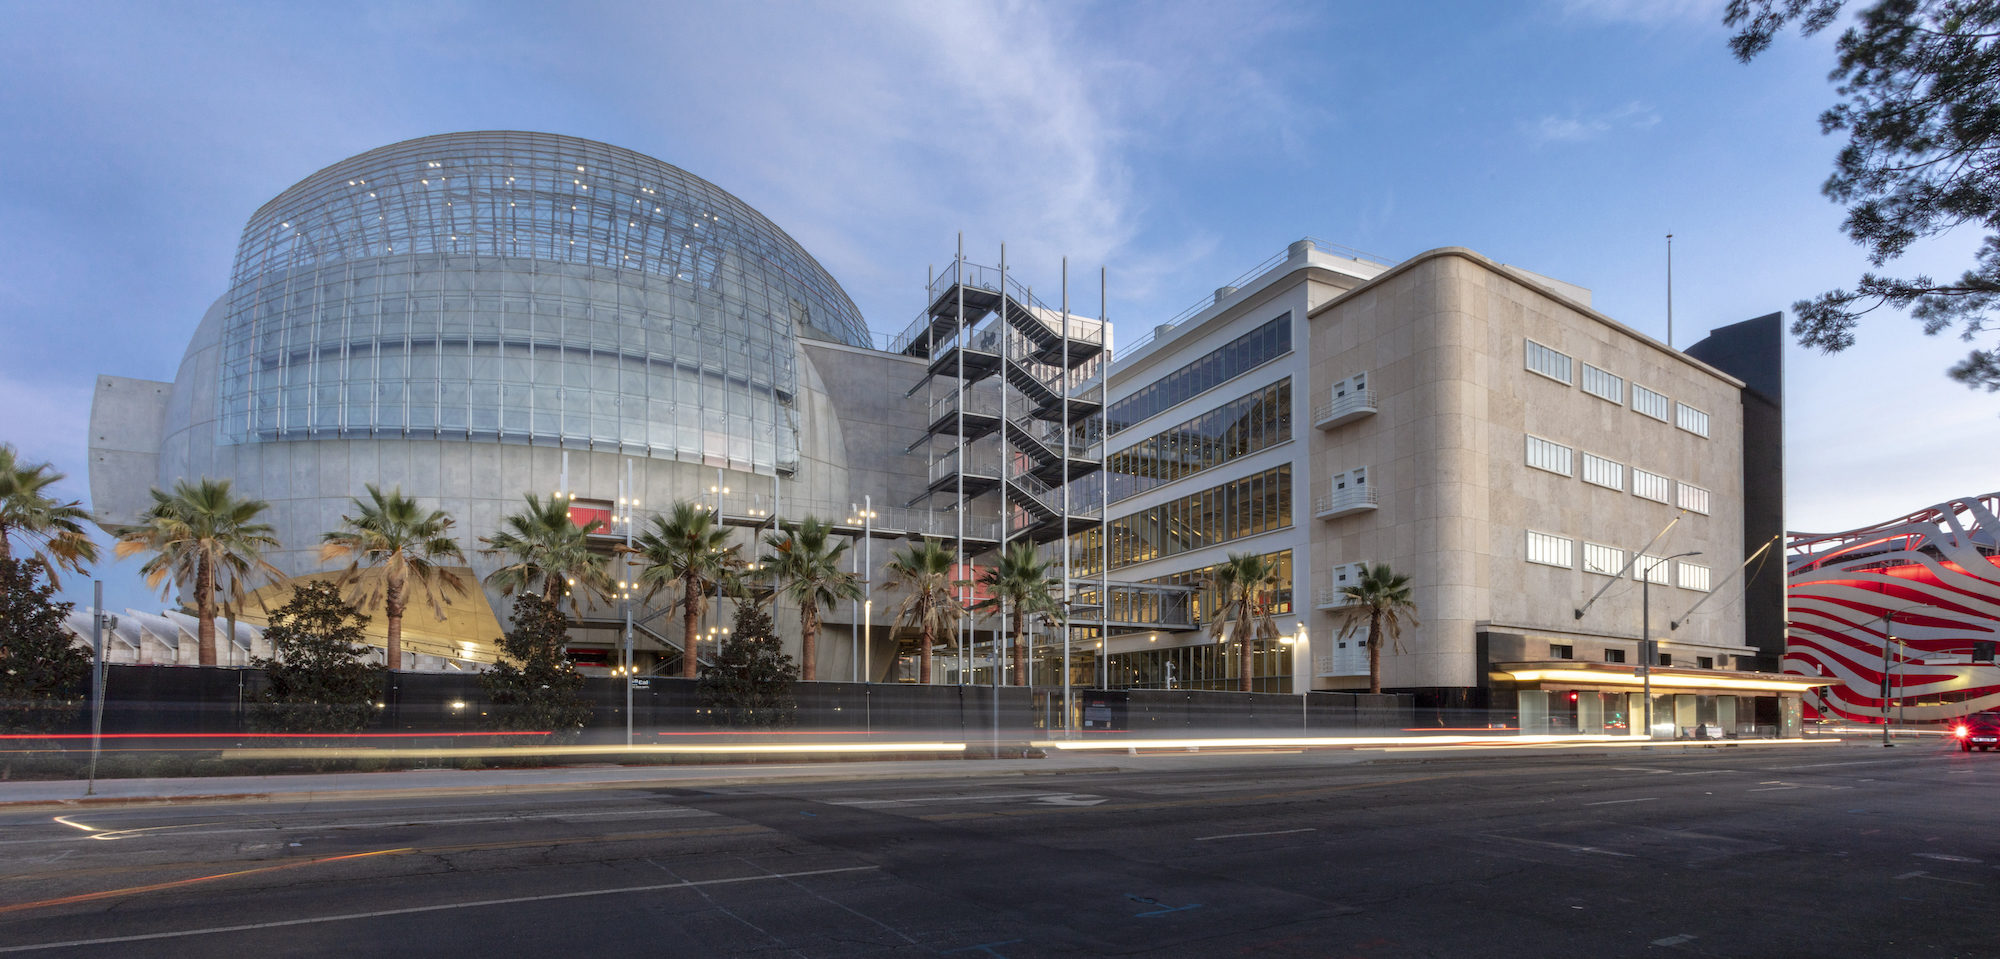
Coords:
pixel 1350 498
pixel 1355 402
pixel 1247 275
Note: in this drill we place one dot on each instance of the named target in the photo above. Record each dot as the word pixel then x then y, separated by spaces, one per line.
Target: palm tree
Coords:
pixel 207 540
pixel 687 548
pixel 1381 599
pixel 409 544
pixel 55 528
pixel 547 551
pixel 1244 585
pixel 1020 582
pixel 925 570
pixel 812 577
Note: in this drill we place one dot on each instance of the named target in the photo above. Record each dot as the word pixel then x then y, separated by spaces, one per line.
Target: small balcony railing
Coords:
pixel 1344 409
pixel 1354 499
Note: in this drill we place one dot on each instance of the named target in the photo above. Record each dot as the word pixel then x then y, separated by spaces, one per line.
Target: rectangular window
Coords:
pixel 1692 498
pixel 1705 662
pixel 1693 576
pixel 1235 509
pixel 1562 651
pixel 1550 363
pixel 1603 472
pixel 1666 659
pixel 1603 560
pixel 1652 486
pixel 1245 425
pixel 1693 420
pixel 1603 384
pixel 1546 455
pixel 1648 403
pixel 1550 550
pixel 1614 655
pixel 1653 569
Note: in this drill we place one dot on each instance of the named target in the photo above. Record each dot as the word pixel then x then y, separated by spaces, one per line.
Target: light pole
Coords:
pixel 1647 654
pixel 1891 668
pixel 1303 641
pixel 719 490
pixel 865 557
pixel 628 501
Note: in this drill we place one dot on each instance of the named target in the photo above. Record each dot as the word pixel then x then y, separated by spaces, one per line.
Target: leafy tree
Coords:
pixel 1020 583
pixel 206 540
pixel 1245 585
pixel 1921 80
pixel 749 683
pixel 1379 599
pixel 44 674
pixel 810 574
pixel 688 549
pixel 391 531
pixel 55 528
pixel 924 569
pixel 535 685
pixel 547 551
pixel 319 681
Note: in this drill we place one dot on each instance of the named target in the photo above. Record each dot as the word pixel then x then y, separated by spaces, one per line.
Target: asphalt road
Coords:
pixel 1720 852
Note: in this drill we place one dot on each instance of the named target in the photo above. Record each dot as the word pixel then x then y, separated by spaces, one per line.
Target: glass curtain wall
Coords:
pixel 524 288
pixel 1258 503
pixel 1253 422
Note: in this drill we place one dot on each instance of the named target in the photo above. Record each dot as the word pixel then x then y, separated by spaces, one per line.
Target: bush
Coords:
pixel 317 682
pixel 44 674
pixel 749 685
pixel 535 687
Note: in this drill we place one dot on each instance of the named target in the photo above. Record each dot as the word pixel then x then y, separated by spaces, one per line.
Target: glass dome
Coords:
pixel 523 287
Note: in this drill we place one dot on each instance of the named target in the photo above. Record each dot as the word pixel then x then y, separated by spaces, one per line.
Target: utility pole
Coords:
pixel 1647 652
pixel 99 622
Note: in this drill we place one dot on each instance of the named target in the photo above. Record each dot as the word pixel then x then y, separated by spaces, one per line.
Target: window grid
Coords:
pixel 1603 384
pixel 1652 486
pixel 1548 455
pixel 1653 569
pixel 1253 422
pixel 1603 560
pixel 1692 498
pixel 1551 550
pixel 1599 471
pixel 1551 363
pixel 1232 359
pixel 1243 507
pixel 1645 402
pixel 1693 420
pixel 1693 576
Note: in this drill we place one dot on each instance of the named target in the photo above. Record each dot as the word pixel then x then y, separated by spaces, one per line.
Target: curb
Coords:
pixel 422 792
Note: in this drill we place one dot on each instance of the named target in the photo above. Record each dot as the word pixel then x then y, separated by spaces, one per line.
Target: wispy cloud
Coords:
pixel 1578 126
pixel 1646 12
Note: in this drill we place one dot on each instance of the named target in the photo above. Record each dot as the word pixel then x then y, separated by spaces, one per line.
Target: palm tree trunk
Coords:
pixel 1243 638
pixel 1375 651
pixel 204 612
pixel 1020 650
pixel 690 624
pixel 6 551
pixel 392 616
pixel 924 677
pixel 809 640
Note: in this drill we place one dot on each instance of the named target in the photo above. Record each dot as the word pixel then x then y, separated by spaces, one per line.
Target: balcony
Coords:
pixel 1344 409
pixel 1346 502
pixel 1329 596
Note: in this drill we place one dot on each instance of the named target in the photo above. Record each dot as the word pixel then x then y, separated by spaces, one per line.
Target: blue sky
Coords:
pixel 1175 144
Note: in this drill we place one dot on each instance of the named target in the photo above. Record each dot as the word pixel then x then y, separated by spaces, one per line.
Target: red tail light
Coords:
pixel 1961 732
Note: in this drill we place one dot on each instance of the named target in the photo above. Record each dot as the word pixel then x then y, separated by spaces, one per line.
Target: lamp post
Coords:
pixel 1891 669
pixel 628 501
pixel 865 557
pixel 1303 642
pixel 719 490
pixel 1647 654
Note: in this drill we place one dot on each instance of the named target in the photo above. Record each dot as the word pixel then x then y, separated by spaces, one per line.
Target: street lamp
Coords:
pixel 1304 643
pixel 1647 652
pixel 1891 668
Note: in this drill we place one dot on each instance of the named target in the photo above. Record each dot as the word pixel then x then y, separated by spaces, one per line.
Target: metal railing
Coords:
pixel 981 402
pixel 1358 401
pixel 888 520
pixel 1329 596
pixel 976 464
pixel 1341 501
pixel 1252 273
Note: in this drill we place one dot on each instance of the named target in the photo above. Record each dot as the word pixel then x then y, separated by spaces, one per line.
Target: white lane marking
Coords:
pixel 1920 874
pixel 441 907
pixel 664 813
pixel 1614 802
pixel 1674 940
pixel 922 799
pixel 1246 835
pixel 65 820
pixel 1562 845
pixel 1071 799
pixel 1643 769
pixel 1943 857
pixel 1772 789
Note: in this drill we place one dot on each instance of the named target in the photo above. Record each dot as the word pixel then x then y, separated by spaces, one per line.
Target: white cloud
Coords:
pixel 49 422
pixel 1645 12
pixel 1578 127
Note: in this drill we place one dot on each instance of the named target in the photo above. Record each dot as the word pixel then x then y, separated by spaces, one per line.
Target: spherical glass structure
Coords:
pixel 523 287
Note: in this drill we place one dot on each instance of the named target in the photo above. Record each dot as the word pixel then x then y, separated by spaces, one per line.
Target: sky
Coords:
pixel 1176 145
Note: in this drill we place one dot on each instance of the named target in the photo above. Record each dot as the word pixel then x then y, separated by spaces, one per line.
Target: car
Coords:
pixel 1979 729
